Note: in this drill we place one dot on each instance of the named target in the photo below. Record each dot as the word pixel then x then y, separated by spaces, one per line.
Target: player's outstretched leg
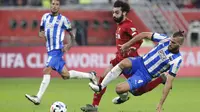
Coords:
pixel 96 100
pixel 97 96
pixel 72 74
pixel 93 78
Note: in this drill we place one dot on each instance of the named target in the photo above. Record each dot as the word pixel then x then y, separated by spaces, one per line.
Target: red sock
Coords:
pixel 150 86
pixel 97 97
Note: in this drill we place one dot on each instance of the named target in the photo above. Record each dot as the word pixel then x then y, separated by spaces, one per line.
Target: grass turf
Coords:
pixel 185 96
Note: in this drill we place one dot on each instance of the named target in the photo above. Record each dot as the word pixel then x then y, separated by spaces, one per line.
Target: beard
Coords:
pixel 54 11
pixel 173 50
pixel 118 20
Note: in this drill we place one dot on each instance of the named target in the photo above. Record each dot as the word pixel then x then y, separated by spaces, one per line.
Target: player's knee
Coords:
pixel 47 70
pixel 125 63
pixel 119 89
pixel 65 75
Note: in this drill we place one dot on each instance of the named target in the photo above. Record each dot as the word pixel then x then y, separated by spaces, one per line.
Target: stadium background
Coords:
pixel 23 55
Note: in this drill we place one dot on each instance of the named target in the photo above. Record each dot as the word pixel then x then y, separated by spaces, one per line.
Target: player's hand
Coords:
pixel 42 34
pixel 131 49
pixel 66 47
pixel 159 108
pixel 124 48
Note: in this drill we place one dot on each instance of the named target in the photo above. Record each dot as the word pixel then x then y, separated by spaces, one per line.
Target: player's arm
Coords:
pixel 136 38
pixel 170 78
pixel 71 38
pixel 41 33
pixel 166 89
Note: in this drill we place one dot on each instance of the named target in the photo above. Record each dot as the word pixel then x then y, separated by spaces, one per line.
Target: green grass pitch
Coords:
pixel 184 97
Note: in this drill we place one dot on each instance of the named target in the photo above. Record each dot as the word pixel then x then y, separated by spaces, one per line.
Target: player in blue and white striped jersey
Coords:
pixel 165 57
pixel 52 29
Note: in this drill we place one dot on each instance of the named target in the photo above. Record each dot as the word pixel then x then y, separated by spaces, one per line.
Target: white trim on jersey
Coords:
pixel 134 33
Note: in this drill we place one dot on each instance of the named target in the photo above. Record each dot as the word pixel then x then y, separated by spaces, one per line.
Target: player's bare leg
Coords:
pixel 97 96
pixel 122 90
pixel 44 84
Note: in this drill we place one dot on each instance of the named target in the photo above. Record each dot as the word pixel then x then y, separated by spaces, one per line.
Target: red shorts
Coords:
pixel 115 61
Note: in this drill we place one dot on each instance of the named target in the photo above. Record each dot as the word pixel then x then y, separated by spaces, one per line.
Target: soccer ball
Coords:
pixel 58 107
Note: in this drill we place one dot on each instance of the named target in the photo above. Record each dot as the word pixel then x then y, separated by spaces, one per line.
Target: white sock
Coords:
pixel 79 75
pixel 44 85
pixel 123 96
pixel 113 74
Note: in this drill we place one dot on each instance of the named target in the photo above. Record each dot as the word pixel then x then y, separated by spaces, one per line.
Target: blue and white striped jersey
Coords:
pixel 54 27
pixel 160 59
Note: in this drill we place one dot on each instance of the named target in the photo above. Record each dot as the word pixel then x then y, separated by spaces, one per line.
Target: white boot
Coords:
pixel 33 99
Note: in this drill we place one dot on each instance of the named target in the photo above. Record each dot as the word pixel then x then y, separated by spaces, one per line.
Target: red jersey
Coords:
pixel 125 32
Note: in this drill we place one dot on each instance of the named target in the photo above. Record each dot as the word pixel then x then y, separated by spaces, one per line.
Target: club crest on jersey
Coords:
pixel 162 55
pixel 49 25
pixel 133 29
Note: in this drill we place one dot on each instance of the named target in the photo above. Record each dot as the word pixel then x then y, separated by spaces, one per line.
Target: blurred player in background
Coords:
pixel 52 29
pixel 124 33
pixel 163 57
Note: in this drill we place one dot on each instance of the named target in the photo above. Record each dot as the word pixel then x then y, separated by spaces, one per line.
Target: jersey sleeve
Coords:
pixel 44 17
pixel 156 37
pixel 131 30
pixel 67 24
pixel 175 67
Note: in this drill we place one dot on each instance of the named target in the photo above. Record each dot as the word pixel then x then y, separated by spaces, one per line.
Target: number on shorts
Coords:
pixel 48 60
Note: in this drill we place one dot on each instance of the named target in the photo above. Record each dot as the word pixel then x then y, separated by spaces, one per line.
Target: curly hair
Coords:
pixel 124 5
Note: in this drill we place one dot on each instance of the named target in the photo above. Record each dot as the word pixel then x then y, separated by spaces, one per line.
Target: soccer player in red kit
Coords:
pixel 125 32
